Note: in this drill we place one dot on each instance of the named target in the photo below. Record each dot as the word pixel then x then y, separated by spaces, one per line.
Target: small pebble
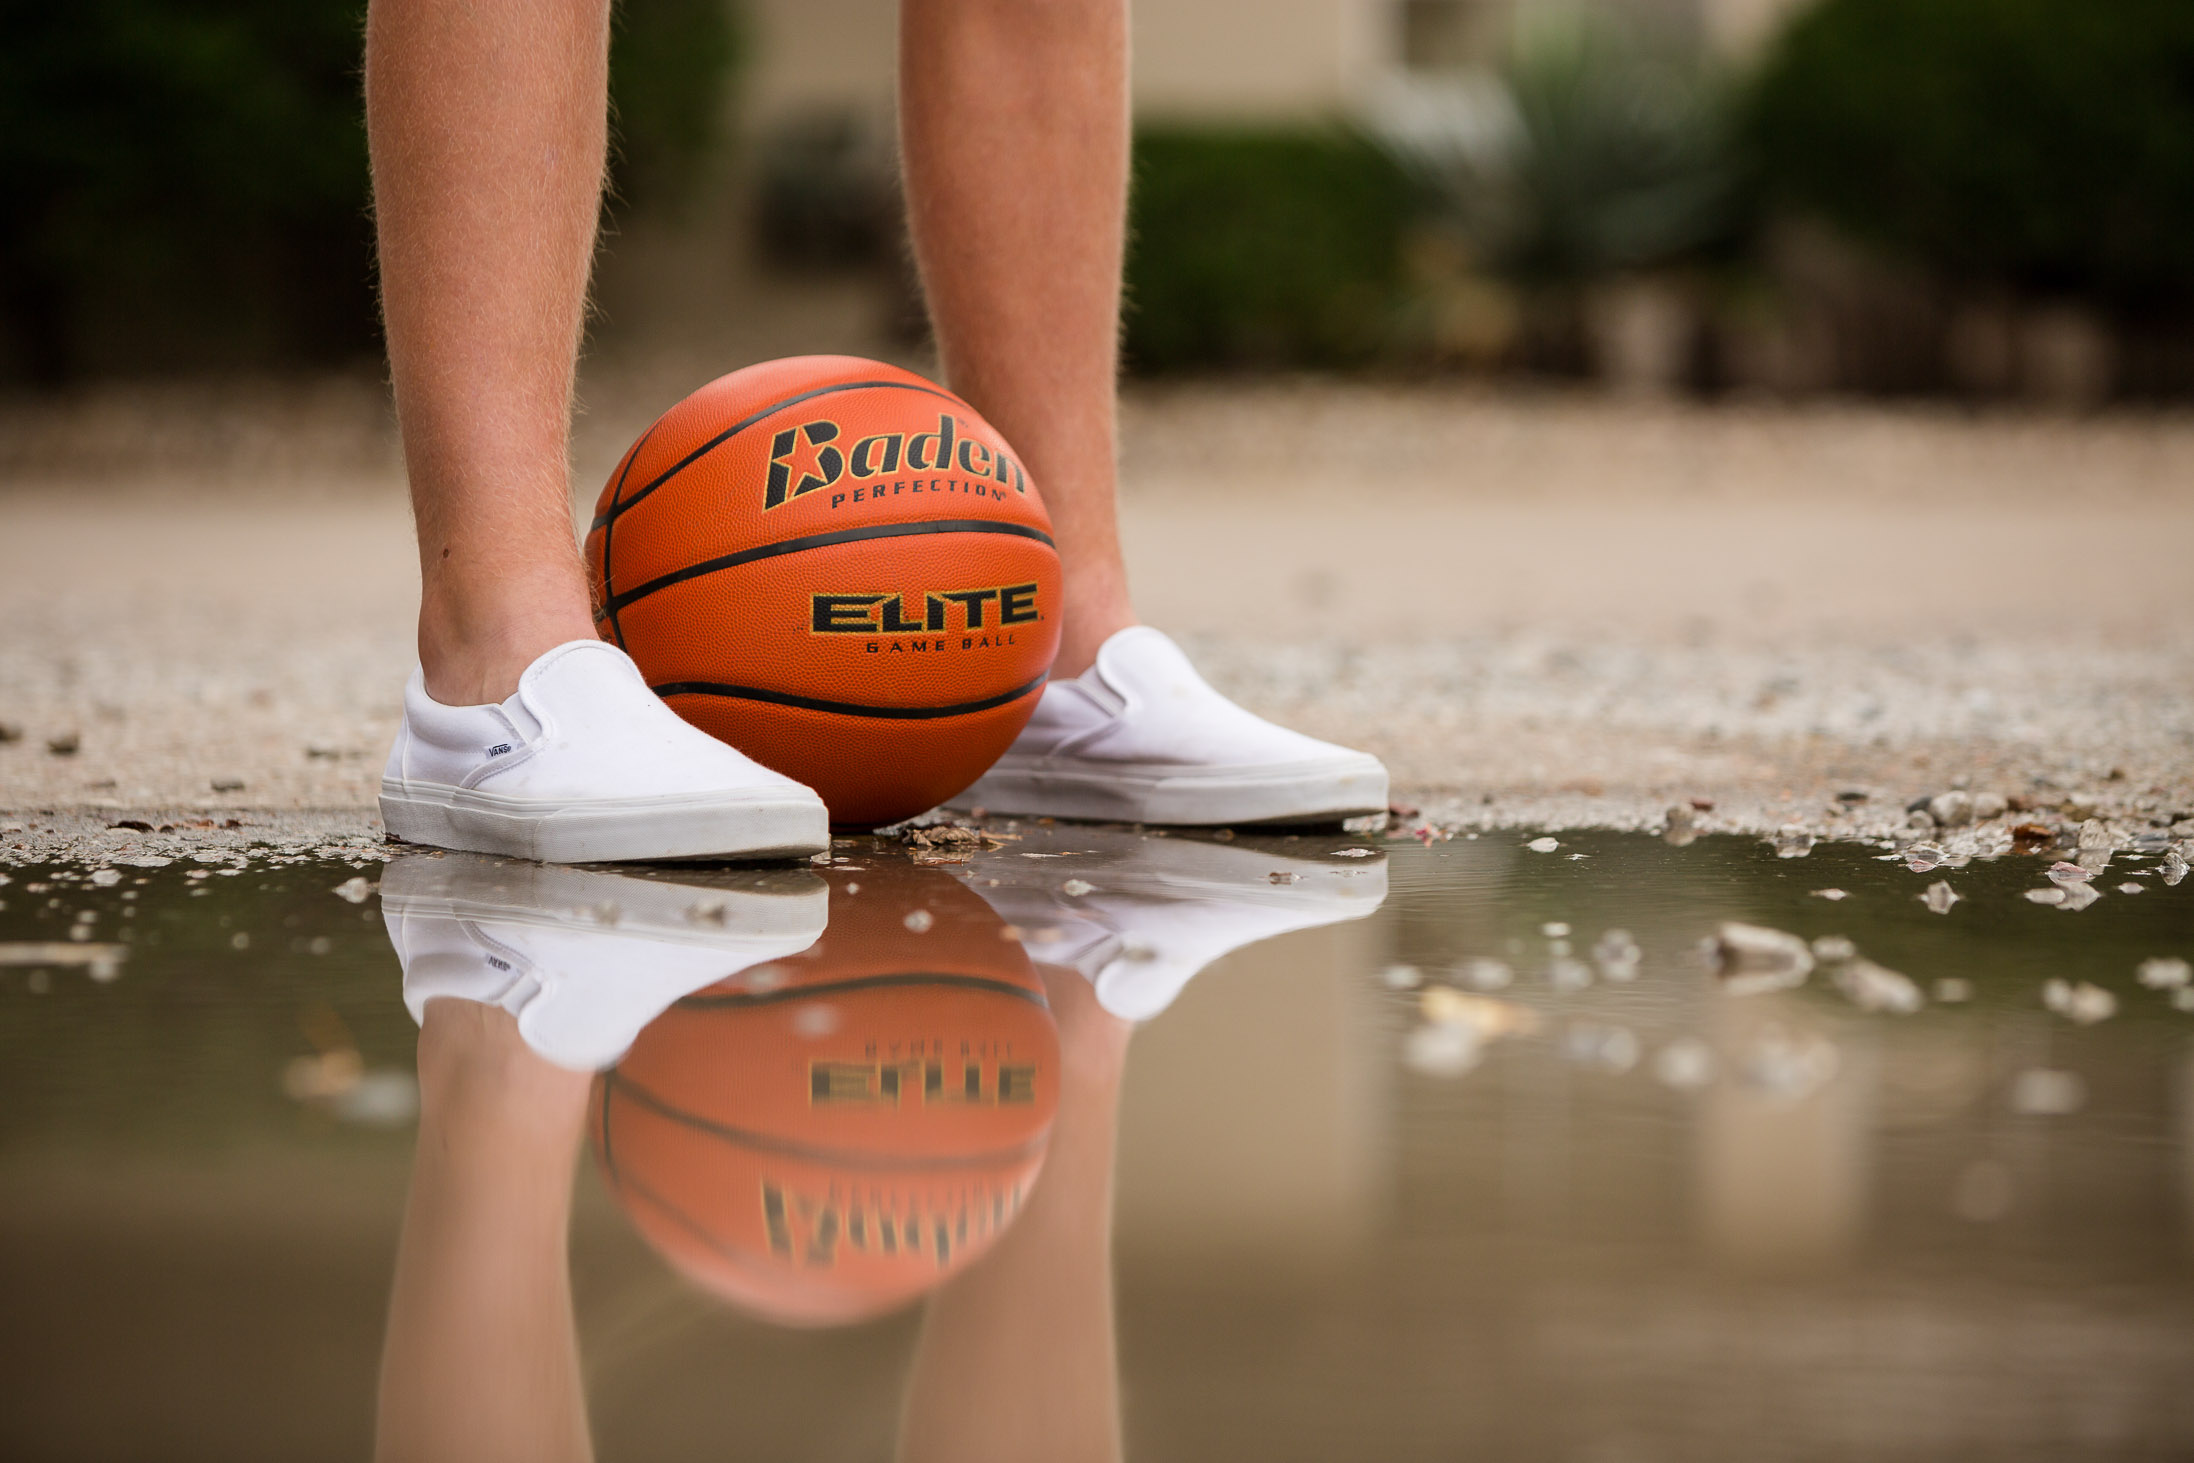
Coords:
pixel 2046 896
pixel 1554 929
pixel 1951 808
pixel 2130 887
pixel 1543 845
pixel 920 920
pixel 1831 894
pixel 1940 896
pixel 1076 887
pixel 358 887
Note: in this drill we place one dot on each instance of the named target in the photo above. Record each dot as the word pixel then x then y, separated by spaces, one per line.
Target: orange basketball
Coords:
pixel 841 570
pixel 822 1139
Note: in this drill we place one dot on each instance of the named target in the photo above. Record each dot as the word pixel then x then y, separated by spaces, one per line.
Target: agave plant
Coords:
pixel 1590 153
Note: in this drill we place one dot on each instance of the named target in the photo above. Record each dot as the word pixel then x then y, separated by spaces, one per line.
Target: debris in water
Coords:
pixel 1682 827
pixel 2078 897
pixel 1789 1067
pixel 1076 887
pixel 1617 955
pixel 2167 973
pixel 1402 977
pixel 1829 948
pixel 1483 974
pixel 106 878
pixel 2174 867
pixel 1940 896
pixel 2083 1003
pixel 1831 894
pixel 1543 845
pixel 355 889
pixel 2046 896
pixel 1921 857
pixel 385 1097
pixel 1488 1016
pixel 2064 873
pixel 101 962
pixel 2044 1092
pixel 1793 843
pixel 1566 973
pixel 1281 876
pixel 1872 987
pixel 920 920
pixel 1442 1051
pixel 1685 1064
pixel 1752 958
pixel 1951 989
pixel 1610 1048
pixel 2129 887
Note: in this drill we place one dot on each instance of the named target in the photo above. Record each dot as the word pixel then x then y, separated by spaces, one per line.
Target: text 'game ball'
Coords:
pixel 841 570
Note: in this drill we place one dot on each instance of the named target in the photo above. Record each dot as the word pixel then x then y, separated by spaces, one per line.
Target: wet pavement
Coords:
pixel 1056 1142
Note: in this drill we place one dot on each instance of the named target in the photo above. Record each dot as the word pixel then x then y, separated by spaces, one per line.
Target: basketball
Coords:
pixel 841 570
pixel 822 1139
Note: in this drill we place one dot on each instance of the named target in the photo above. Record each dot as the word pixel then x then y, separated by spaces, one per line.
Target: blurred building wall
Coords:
pixel 1211 59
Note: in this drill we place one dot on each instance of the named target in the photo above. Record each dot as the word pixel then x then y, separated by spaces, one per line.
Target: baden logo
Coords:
pixel 886 614
pixel 805 458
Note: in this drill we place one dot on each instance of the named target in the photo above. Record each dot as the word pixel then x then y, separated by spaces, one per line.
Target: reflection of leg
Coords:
pixel 1015 124
pixel 481 1363
pixel 1017 1358
pixel 488 124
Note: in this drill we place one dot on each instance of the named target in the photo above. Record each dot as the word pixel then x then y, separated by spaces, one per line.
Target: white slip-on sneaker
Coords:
pixel 1140 916
pixel 1140 737
pixel 585 764
pixel 584 958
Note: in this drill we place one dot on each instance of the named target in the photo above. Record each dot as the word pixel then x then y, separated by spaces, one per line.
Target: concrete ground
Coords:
pixel 1540 607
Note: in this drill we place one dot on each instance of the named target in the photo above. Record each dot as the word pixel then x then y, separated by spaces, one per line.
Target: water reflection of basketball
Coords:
pixel 840 569
pixel 821 1139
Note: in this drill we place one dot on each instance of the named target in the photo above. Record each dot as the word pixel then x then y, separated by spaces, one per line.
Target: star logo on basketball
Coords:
pixel 801 460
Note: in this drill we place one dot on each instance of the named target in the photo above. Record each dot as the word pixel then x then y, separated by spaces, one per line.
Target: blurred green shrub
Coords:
pixel 186 179
pixel 1593 152
pixel 2042 145
pixel 1261 248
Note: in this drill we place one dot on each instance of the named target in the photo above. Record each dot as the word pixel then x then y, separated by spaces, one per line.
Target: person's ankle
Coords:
pixel 478 664
pixel 1084 635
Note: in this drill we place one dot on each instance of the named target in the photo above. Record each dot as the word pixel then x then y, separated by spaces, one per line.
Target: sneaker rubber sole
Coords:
pixel 1300 795
pixel 624 830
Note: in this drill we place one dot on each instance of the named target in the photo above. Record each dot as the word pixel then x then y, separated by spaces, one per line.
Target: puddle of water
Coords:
pixel 1087 1140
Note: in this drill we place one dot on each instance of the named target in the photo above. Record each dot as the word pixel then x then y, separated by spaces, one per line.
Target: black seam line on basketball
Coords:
pixel 609 526
pixel 615 509
pixel 844 708
pixel 826 540
pixel 633 1092
pixel 864 983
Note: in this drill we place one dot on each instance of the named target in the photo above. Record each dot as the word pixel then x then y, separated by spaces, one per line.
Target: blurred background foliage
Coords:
pixel 1891 195
pixel 186 179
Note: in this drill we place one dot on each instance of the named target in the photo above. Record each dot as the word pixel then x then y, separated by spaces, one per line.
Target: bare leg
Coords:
pixel 1017 1358
pixel 1014 117
pixel 487 124
pixel 480 1363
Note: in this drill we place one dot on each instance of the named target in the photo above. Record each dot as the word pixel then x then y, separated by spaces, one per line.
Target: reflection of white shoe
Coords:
pixel 1155 911
pixel 584 959
pixel 1141 738
pixel 586 764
